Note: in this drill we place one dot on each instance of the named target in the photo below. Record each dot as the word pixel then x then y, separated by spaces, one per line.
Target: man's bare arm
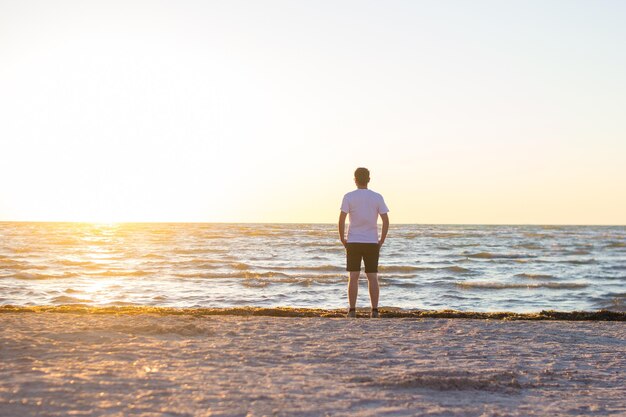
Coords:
pixel 383 235
pixel 342 227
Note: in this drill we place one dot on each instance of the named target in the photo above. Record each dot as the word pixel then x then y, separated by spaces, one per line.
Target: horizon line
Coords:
pixel 320 223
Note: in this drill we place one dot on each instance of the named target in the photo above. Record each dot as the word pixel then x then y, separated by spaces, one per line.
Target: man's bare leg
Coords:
pixel 372 285
pixel 353 288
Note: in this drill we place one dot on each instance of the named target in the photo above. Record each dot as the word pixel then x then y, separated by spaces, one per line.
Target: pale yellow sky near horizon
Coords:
pixel 481 112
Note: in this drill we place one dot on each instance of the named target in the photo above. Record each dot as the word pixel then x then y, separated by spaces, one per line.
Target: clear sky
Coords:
pixel 465 112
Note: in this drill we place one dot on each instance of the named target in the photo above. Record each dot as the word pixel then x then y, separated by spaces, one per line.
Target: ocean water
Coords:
pixel 469 268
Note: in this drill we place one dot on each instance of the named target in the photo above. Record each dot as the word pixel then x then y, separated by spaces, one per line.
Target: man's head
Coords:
pixel 362 176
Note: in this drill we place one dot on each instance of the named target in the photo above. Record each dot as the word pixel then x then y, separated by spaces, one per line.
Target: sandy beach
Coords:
pixel 57 364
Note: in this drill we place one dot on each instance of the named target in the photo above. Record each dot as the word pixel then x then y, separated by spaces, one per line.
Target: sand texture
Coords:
pixel 62 364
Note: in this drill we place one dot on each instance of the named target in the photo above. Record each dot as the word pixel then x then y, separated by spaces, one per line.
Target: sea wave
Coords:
pixel 152 255
pixel 298 280
pixel 534 276
pixel 326 267
pixel 336 245
pixel 500 285
pixel 192 263
pixel 531 246
pixel 538 235
pixel 578 261
pixel 457 269
pixel 614 267
pixel 118 273
pixel 25 249
pixel 403 268
pixel 616 245
pixel 386 312
pixel 490 255
pixel 255 283
pixel 197 251
pixel 302 264
pixel 81 263
pixel 120 303
pixel 450 235
pixel 66 299
pixel 25 275
pixel 19 265
pixel 242 274
pixel 579 252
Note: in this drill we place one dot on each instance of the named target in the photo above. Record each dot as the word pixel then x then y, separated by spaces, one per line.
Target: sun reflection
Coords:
pixel 97 286
pixel 109 225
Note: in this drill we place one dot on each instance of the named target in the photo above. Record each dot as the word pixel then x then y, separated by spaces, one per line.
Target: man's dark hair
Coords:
pixel 362 176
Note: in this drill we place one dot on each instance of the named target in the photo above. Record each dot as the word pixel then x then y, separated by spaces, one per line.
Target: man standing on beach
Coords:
pixel 363 207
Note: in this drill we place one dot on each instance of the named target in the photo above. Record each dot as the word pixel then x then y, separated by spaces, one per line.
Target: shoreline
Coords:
pixel 386 312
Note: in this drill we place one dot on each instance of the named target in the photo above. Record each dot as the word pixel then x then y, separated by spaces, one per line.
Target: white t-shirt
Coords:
pixel 363 207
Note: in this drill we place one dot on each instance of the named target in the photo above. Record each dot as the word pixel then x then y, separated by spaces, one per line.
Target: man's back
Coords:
pixel 363 207
pixel 362 245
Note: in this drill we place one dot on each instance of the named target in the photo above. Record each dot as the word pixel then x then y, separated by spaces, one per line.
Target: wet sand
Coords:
pixel 59 364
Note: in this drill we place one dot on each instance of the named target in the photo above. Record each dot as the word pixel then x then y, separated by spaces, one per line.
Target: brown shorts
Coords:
pixel 367 251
